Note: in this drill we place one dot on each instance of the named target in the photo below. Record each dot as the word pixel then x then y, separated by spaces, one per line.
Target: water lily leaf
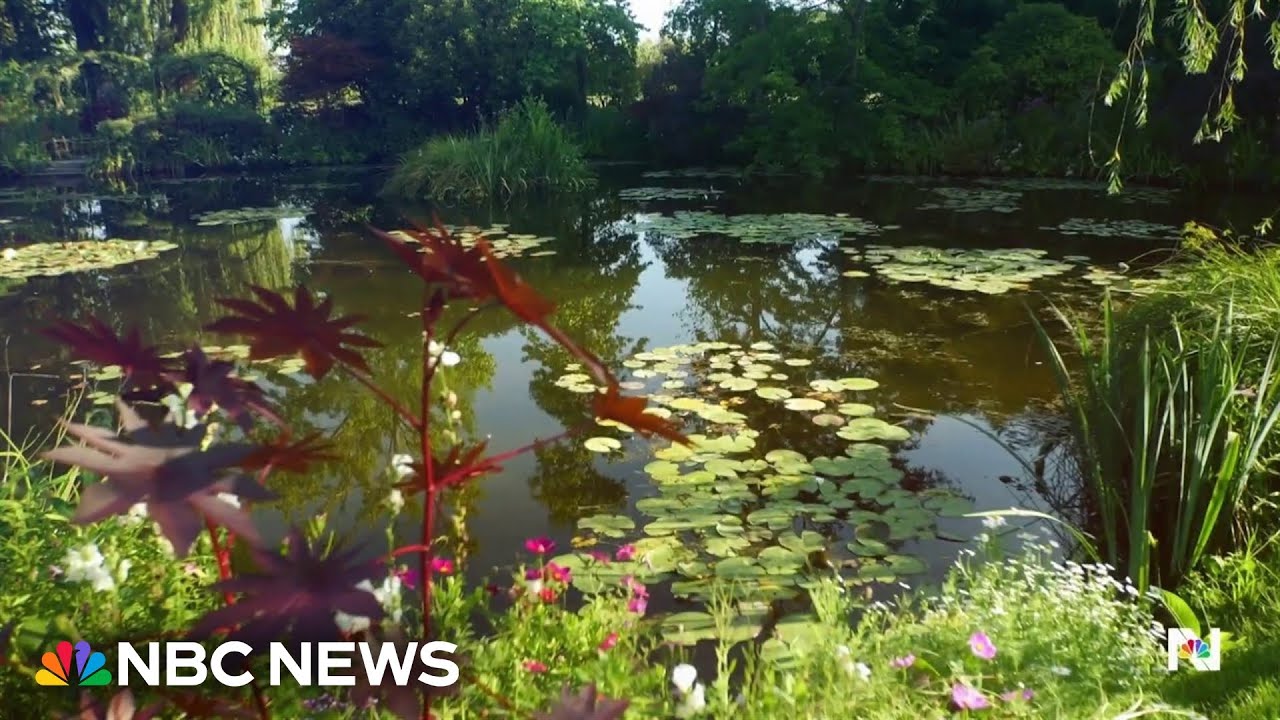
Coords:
pixel 774 517
pixel 856 409
pixel 827 386
pixel 867 428
pixel 798 362
pixel 738 568
pixel 804 543
pixel 773 393
pixel 725 546
pixel 608 525
pixel 602 444
pixel 804 404
pixel 835 467
pixel 662 469
pixel 858 384
pixel 827 420
pixel 738 384
pixel 906 564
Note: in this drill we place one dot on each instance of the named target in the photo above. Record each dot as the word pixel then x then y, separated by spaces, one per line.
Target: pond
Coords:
pixel 861 359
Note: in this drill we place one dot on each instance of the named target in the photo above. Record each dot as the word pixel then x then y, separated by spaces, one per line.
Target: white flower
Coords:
pixel 862 670
pixel 534 587
pixel 165 545
pixel 82 562
pixel 845 657
pixel 101 579
pixel 355 623
pixel 136 514
pixel 229 499
pixel 694 702
pixel 122 570
pixel 449 358
pixel 437 352
pixel 396 500
pixel 402 465
pixel 993 522
pixel 683 677
pixel 1060 670
pixel 10 253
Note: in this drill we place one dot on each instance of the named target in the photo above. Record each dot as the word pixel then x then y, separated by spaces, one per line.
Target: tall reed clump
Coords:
pixel 526 151
pixel 1168 434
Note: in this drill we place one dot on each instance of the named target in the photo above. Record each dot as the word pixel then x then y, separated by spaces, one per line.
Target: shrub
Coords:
pixel 526 151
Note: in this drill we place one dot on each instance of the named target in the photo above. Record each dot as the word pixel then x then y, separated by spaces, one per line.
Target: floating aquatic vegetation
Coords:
pixel 1123 280
pixel 240 216
pixel 503 243
pixel 1129 194
pixel 759 228
pixel 967 200
pixel 60 258
pixel 668 193
pixel 989 271
pixel 730 508
pixel 696 172
pixel 1115 228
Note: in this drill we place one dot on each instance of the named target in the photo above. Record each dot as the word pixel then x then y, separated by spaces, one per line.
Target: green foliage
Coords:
pixel 1166 442
pixel 526 151
pixel 1044 51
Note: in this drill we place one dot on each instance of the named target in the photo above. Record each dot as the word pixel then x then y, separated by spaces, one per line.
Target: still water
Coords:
pixel 624 284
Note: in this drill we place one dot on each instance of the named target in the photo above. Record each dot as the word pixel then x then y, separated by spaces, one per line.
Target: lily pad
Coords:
pixel 602 444
pixel 804 404
pixel 62 258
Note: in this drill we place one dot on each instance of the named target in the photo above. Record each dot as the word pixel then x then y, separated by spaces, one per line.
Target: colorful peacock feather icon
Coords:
pixel 90 666
pixel 1194 648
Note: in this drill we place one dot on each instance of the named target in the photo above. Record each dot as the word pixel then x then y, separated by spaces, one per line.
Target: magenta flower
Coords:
pixel 638 604
pixel 902 663
pixel 981 646
pixel 600 556
pixel 1024 694
pixel 441 566
pixel 408 577
pixel 967 698
pixel 534 667
pixel 625 553
pixel 636 587
pixel 533 574
pixel 540 545
pixel 559 573
pixel 609 642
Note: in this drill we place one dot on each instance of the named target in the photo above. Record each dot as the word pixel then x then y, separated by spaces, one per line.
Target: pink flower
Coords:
pixel 533 574
pixel 540 545
pixel 441 566
pixel 534 667
pixel 1015 695
pixel 981 646
pixel 967 698
pixel 625 553
pixel 559 573
pixel 902 663
pixel 607 644
pixel 548 595
pixel 638 604
pixel 408 577
pixel 636 587
pixel 600 556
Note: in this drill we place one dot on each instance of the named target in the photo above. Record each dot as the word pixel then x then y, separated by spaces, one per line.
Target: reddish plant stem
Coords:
pixel 428 475
pixel 223 556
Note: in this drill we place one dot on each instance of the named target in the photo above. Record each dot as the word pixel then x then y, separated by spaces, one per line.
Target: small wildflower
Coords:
pixel 559 573
pixel 533 574
pixel 540 545
pixel 993 522
pixel 981 646
pixel 638 604
pixel 408 577
pixel 694 702
pixel 548 595
pixel 683 677
pixel 1025 694
pixel 10 253
pixel 402 465
pixel 636 587
pixel 534 587
pixel 441 566
pixel 902 663
pixel 396 500
pixel 609 642
pixel 967 698
pixel 535 667
pixel 625 553
pixel 1060 671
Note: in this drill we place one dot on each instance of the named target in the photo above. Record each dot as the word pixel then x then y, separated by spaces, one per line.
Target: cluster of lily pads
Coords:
pixel 731 514
pixel 503 243
pixel 240 216
pixel 758 227
pixel 60 258
pixel 1115 228
pixel 649 194
pixel 989 271
pixel 696 172
pixel 969 200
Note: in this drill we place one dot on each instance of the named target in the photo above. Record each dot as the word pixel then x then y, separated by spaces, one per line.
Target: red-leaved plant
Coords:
pixel 295 591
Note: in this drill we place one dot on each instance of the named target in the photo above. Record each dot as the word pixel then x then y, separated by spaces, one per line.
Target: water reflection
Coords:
pixel 970 360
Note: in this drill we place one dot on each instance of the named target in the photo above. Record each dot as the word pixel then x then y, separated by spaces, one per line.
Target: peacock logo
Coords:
pixel 76 666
